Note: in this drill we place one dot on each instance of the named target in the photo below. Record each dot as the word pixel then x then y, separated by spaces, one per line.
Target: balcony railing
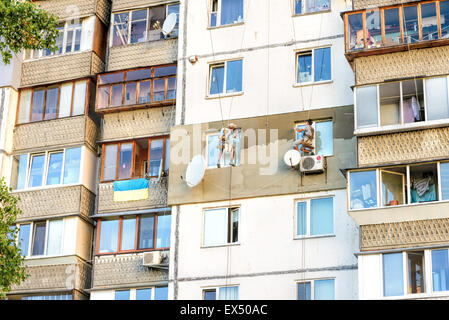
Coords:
pixel 399 27
pixel 136 88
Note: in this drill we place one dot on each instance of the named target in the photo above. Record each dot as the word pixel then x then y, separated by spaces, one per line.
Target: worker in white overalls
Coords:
pixel 306 140
pixel 226 142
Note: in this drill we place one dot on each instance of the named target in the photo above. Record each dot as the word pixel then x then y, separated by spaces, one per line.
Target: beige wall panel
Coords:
pixel 403 147
pixel 54 202
pixel 404 234
pixel 138 123
pixel 62 132
pixel 65 9
pixel 400 65
pixel 157 198
pixel 143 54
pixel 362 4
pixel 130 4
pixel 57 69
pixel 110 271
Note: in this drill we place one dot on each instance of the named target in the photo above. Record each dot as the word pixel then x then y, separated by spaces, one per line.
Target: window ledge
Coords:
pixel 47 187
pixel 400 206
pixel 220 245
pixel 314 237
pixel 225 95
pixel 402 127
pixel 311 13
pixel 226 25
pixel 57 56
pixel 298 85
pixel 141 43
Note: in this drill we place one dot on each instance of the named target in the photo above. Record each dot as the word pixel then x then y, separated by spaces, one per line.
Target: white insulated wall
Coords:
pixel 266 262
pixel 266 90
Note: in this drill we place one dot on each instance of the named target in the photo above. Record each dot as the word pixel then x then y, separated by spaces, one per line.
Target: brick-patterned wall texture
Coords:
pixel 143 54
pixel 420 145
pixel 138 123
pixel 364 4
pixel 130 4
pixel 120 270
pixel 66 9
pixel 53 202
pixel 413 63
pixel 404 234
pixel 70 131
pixel 57 69
pixel 157 198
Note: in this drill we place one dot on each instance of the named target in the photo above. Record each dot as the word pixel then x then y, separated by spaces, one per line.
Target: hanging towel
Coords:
pixel 131 190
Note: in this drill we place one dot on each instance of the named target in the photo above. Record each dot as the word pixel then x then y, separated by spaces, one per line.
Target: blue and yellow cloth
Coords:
pixel 131 190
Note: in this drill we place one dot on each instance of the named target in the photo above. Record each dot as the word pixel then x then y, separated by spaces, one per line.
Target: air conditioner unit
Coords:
pixel 153 258
pixel 312 164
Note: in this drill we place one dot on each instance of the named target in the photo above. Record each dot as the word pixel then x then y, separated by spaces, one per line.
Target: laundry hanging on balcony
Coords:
pixel 131 190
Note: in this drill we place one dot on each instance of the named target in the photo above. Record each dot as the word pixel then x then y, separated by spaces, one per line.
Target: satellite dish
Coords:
pixel 169 24
pixel 292 158
pixel 195 171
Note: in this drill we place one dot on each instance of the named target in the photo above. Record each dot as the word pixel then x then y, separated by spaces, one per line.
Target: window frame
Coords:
pixel 134 142
pixel 222 160
pixel 430 269
pixel 303 123
pixel 147 28
pixel 124 82
pixel 229 232
pixel 215 64
pixel 312 286
pixel 437 180
pixel 29 254
pixel 133 292
pixel 59 85
pixel 308 234
pixel 45 170
pixel 218 15
pixel 303 7
pixel 136 235
pixel 305 51
pixel 29 54
pixel 217 290
pixel 401 24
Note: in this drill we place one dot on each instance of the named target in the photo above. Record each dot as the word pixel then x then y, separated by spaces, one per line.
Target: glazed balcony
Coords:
pixel 397 28
pixel 136 89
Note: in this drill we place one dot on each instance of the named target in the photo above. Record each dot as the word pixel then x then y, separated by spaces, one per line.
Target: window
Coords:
pixel 405 24
pixel 152 293
pixel 50 168
pixel 68 41
pixel 363 189
pixel 53 102
pixel 315 217
pixel 313 66
pixel 221 226
pixel 50 297
pixel 135 159
pixel 400 103
pixel 141 87
pixel 223 293
pixel 318 289
pixel 393 273
pixel 142 24
pixel 323 138
pixel 213 152
pixel 440 270
pixel 41 238
pixel 134 233
pixel 226 77
pixel 309 6
pixel 225 12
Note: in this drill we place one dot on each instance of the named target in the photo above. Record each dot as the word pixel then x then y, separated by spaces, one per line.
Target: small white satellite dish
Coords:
pixel 292 158
pixel 195 171
pixel 169 24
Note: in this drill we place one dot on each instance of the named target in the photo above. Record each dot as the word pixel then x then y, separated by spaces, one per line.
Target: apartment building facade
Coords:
pixel 54 154
pixel 260 229
pixel 136 99
pixel 397 193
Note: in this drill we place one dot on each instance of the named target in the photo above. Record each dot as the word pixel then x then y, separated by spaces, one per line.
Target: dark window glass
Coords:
pixel 131 93
pixel 392 27
pixel 171 89
pixel 39 238
pixel 411 27
pixel 143 294
pixel 52 103
pixel 322 63
pixel 217 79
pixel 126 151
pixel 444 18
pixel 116 95
pixel 210 294
pixel 161 293
pixel 36 171
pixel 165 71
pixel 429 21
pixel 156 17
pixel 231 11
pixel 304 68
pixel 111 78
pixel 304 291
pixel 138 74
pixel 138 26
pixel 416 272
pixel 120 29
pixel 356 36
pixel 157 147
pixel 234 76
pixel 122 295
pixel 37 109
pixel 159 90
pixel 146 232
pixel 144 92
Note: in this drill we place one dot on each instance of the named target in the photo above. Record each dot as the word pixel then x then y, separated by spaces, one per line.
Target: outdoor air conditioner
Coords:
pixel 311 164
pixel 155 259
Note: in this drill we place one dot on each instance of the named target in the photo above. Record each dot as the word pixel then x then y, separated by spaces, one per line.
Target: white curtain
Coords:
pixel 436 98
pixel 229 293
pixel 54 240
pixel 24 107
pixel 79 100
pixel 65 100
pixel 215 227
